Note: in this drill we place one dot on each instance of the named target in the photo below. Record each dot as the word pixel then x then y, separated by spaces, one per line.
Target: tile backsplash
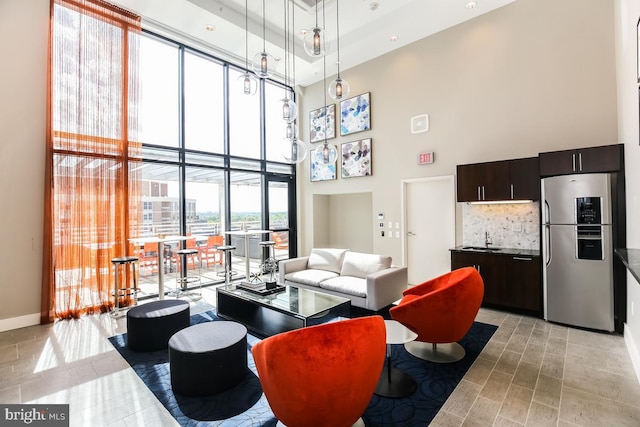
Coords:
pixel 510 225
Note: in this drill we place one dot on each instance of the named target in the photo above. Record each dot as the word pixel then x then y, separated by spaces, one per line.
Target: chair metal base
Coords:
pixel 359 423
pixel 438 353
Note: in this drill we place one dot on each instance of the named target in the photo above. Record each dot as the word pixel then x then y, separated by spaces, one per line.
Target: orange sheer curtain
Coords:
pixel 91 188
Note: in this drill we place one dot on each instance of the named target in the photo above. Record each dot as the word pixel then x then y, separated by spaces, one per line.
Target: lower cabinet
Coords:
pixel 511 282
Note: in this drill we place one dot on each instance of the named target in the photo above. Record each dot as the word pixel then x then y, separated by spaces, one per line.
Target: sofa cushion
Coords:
pixel 326 259
pixel 347 285
pixel 358 264
pixel 310 277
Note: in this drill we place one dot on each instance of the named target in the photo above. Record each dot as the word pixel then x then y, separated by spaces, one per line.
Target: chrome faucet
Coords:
pixel 487 239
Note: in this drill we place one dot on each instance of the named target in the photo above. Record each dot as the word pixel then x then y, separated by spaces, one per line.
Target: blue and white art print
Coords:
pixel 356 158
pixel 355 114
pixel 319 170
pixel 322 123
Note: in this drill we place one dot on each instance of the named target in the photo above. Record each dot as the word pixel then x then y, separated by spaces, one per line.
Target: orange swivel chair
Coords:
pixel 322 375
pixel 441 311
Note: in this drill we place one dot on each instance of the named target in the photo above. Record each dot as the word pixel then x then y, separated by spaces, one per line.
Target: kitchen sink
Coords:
pixel 479 248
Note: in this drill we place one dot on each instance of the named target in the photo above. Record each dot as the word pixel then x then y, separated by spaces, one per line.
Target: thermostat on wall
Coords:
pixel 420 123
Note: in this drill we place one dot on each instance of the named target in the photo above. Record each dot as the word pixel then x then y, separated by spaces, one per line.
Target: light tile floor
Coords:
pixel 531 373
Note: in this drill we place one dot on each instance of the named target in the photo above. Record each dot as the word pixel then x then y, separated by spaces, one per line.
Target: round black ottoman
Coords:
pixel 149 326
pixel 208 358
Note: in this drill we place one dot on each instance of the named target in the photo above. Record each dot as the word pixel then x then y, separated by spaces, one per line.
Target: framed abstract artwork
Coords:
pixel 356 158
pixel 319 170
pixel 355 114
pixel 322 123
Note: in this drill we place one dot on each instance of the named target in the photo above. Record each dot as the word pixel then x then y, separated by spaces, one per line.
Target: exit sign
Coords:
pixel 425 158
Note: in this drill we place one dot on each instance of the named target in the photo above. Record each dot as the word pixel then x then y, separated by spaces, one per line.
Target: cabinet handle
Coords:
pixel 511 191
pixel 517 258
pixel 573 159
pixel 479 193
pixel 580 161
pixel 477 267
pixel 483 193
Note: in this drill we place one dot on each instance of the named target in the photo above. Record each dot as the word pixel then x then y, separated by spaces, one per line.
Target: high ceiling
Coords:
pixel 366 27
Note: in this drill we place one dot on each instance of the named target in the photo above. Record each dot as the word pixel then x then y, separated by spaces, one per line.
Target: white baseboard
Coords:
pixel 19 322
pixel 634 352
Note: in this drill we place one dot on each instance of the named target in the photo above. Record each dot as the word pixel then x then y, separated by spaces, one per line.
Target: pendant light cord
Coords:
pixel 264 41
pixel 246 35
pixel 338 33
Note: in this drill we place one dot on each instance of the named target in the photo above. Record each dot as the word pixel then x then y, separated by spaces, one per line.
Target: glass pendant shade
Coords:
pixel 327 154
pixel 249 83
pixel 339 89
pixel 290 131
pixel 289 110
pixel 315 42
pixel 263 64
pixel 295 151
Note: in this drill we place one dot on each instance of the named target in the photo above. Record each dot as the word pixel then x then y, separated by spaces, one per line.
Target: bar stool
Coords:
pixel 269 263
pixel 182 275
pixel 226 250
pixel 124 292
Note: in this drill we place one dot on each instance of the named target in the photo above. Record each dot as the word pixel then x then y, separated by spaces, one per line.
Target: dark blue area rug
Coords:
pixel 245 404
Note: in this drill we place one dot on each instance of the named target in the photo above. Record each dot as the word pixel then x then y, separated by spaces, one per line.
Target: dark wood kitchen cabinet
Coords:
pixel 511 282
pixel 483 181
pixel 516 179
pixel 608 158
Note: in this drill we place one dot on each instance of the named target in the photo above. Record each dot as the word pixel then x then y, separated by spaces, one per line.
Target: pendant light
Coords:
pixel 288 107
pixel 249 80
pixel 339 88
pixel 295 149
pixel 263 62
pixel 327 154
pixel 315 39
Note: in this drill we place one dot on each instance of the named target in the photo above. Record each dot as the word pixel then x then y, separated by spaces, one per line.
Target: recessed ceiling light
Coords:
pixel 393 38
pixel 210 27
pixel 471 4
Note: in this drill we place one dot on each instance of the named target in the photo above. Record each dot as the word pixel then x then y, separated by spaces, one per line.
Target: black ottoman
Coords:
pixel 149 326
pixel 208 358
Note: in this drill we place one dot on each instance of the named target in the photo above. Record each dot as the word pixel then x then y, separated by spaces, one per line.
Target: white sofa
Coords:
pixel 368 280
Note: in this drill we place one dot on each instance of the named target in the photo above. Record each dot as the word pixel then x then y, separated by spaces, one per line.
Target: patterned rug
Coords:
pixel 245 404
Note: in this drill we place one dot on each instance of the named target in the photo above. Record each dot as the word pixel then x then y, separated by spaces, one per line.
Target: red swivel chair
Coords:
pixel 322 375
pixel 441 311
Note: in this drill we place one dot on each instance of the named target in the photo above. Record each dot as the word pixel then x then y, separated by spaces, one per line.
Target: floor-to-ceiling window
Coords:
pixel 212 159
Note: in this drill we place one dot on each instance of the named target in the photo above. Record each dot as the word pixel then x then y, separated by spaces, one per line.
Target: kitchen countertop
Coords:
pixel 631 259
pixel 504 251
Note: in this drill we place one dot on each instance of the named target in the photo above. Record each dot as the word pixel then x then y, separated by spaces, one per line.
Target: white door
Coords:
pixel 429 206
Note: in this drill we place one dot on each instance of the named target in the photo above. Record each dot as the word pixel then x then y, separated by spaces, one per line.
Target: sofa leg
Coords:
pixel 439 353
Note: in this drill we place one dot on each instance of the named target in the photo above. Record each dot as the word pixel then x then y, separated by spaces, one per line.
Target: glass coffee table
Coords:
pixel 291 308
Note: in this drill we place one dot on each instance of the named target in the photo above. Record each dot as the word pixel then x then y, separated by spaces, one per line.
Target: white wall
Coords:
pixel 24 31
pixel 626 17
pixel 532 76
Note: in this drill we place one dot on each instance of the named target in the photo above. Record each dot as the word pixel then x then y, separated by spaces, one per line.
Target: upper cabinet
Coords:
pixel 608 158
pixel 503 180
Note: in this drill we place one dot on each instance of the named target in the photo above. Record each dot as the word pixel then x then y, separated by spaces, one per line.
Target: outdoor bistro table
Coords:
pixel 160 241
pixel 246 234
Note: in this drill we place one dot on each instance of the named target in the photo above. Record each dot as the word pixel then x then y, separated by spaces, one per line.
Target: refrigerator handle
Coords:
pixel 545 213
pixel 547 242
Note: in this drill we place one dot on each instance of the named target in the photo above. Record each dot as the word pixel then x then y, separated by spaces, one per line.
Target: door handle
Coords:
pixel 410 233
pixel 580 161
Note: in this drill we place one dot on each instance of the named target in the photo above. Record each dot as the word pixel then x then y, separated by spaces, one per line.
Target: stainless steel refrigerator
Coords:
pixel 578 250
